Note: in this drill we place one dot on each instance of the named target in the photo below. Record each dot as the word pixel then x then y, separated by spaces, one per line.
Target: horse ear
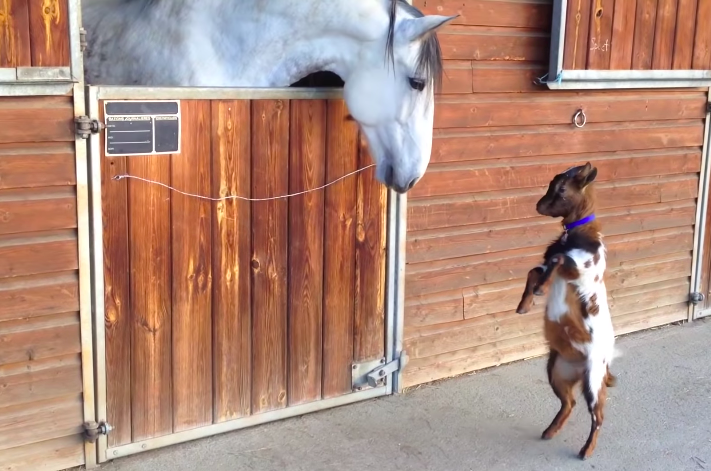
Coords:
pixel 413 29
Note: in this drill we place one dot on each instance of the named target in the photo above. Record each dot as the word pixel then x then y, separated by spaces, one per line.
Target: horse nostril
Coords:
pixel 389 175
pixel 412 183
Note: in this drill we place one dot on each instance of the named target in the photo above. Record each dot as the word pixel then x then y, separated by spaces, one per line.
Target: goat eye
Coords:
pixel 561 190
pixel 417 84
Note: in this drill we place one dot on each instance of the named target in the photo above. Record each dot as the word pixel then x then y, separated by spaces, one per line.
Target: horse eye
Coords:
pixel 417 84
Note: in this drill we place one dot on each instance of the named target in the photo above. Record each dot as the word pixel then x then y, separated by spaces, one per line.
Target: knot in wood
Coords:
pixel 255 264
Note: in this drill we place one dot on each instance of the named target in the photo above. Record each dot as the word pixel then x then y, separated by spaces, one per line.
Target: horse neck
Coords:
pixel 274 43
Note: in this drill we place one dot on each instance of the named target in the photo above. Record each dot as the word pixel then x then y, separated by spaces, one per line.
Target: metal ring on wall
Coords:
pixel 580 114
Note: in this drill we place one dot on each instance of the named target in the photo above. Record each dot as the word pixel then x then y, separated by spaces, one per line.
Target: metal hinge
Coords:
pixel 92 430
pixel 696 297
pixel 86 126
pixel 82 39
pixel 375 373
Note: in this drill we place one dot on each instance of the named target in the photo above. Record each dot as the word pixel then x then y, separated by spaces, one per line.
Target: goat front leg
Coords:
pixel 566 267
pixel 532 284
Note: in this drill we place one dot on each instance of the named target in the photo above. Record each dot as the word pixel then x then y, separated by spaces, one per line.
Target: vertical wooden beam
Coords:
pixel 577 27
pixel 192 272
pixel 49 32
pixel 664 34
pixel 15 34
pixel 306 244
pixel 339 256
pixel 270 239
pixel 702 42
pixel 600 41
pixel 369 325
pixel 645 21
pixel 231 240
pixel 151 308
pixel 623 26
pixel 684 34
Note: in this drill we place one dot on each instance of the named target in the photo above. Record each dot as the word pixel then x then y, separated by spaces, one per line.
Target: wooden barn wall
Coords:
pixel 222 310
pixel 473 232
pixel 637 35
pixel 41 412
pixel 34 33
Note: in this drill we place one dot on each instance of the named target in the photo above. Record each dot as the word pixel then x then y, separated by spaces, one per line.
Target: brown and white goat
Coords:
pixel 577 323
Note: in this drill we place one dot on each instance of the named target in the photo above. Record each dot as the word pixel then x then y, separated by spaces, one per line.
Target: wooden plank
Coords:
pixel 641 272
pixel 270 177
pixel 150 298
pixel 369 324
pixel 191 227
pixel 47 213
pixel 231 240
pixel 623 26
pixel 339 258
pixel 14 34
pixel 50 455
pixel 483 176
pixel 702 41
pixel 498 77
pixel 33 255
pixel 643 46
pixel 117 299
pixel 36 119
pixel 491 13
pixel 664 34
pixel 506 235
pixel 40 343
pixel 32 166
pixel 49 30
pixel 650 318
pixel 31 370
pixel 600 40
pixel 516 204
pixel 577 27
pixel 528 110
pixel 488 43
pixel 474 144
pixel 435 311
pixel 27 298
pixel 23 425
pixel 307 159
pixel 684 34
pixel 457 77
pixel 36 387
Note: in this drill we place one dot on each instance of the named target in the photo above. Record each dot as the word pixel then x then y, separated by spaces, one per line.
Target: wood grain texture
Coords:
pixel 491 13
pixel 49 31
pixel 505 77
pixel 600 40
pixel 623 27
pixel 35 342
pixel 231 279
pixel 150 298
pixel 643 48
pixel 307 156
pixel 577 28
pixel 36 120
pixel 369 324
pixel 117 299
pixel 41 210
pixel 15 34
pixel 664 34
pixel 457 77
pixel 192 271
pixel 339 256
pixel 50 455
pixel 684 34
pixel 28 297
pixel 270 177
pixel 36 165
pixel 33 255
pixel 487 43
pixel 702 41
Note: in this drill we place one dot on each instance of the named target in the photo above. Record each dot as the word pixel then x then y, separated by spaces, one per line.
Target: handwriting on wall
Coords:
pixel 596 45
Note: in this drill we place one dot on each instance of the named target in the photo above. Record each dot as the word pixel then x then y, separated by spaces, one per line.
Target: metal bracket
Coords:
pixel 371 374
pixel 82 39
pixel 92 430
pixel 86 126
pixel 696 297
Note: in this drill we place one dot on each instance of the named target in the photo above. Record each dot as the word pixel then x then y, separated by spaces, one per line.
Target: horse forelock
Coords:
pixel 429 60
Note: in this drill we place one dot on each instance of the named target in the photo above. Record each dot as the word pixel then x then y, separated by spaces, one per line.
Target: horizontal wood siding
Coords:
pixel 637 35
pixel 473 232
pixel 41 412
pixel 233 308
pixel 34 33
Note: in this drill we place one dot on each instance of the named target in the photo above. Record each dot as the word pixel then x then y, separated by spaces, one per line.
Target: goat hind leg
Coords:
pixel 563 388
pixel 595 392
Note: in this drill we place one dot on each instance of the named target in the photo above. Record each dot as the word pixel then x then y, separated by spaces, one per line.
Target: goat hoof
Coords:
pixel 521 310
pixel 538 292
pixel 584 454
pixel 548 434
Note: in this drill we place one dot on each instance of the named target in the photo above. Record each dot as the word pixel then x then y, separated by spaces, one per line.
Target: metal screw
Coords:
pixel 144 446
pixel 355 366
pixel 115 452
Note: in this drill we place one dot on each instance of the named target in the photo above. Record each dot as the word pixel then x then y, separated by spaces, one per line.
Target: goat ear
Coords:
pixel 591 176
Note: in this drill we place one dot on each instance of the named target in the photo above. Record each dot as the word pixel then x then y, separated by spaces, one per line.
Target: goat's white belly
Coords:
pixel 556 307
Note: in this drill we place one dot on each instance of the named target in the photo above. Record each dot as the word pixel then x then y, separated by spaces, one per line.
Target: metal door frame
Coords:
pixel 394 289
pixel 702 207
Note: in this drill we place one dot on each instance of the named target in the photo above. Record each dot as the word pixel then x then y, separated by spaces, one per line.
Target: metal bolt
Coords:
pixel 355 366
pixel 115 452
pixel 382 373
pixel 144 446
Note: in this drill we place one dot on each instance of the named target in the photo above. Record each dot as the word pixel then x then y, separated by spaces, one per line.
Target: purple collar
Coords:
pixel 579 223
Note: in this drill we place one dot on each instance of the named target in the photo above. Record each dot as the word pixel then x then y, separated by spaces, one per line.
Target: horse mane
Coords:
pixel 429 62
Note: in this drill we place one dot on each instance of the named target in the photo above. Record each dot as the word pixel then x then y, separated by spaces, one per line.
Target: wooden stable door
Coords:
pixel 220 310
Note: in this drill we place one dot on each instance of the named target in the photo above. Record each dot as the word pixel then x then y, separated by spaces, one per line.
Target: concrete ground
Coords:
pixel 657 418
